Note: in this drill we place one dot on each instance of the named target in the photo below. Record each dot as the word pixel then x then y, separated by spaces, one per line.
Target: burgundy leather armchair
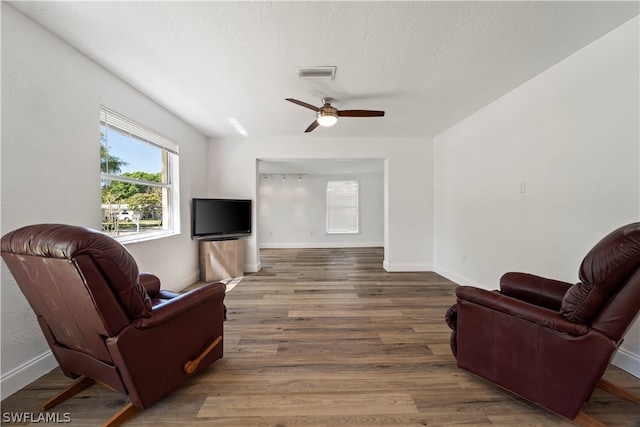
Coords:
pixel 105 322
pixel 549 341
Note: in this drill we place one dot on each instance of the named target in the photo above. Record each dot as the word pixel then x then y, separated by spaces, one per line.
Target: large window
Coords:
pixel 139 175
pixel 342 207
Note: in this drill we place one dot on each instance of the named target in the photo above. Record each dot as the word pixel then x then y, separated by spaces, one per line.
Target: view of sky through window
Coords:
pixel 141 157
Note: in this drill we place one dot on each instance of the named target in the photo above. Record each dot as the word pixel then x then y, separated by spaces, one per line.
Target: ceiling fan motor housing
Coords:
pixel 327 115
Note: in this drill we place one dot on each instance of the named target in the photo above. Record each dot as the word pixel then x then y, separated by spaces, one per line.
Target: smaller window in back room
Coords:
pixel 342 207
pixel 139 180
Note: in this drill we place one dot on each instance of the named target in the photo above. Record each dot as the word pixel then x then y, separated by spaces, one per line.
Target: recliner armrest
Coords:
pixel 150 282
pixel 534 289
pixel 519 309
pixel 182 303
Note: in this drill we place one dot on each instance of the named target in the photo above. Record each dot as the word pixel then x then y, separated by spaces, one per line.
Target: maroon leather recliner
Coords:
pixel 550 341
pixel 106 322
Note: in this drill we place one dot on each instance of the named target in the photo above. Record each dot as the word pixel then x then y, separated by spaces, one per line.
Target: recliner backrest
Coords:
pixel 82 284
pixel 63 305
pixel 605 269
pixel 619 313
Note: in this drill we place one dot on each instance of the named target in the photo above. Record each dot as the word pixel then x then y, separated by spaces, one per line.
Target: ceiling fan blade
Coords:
pixel 312 126
pixel 303 104
pixel 360 113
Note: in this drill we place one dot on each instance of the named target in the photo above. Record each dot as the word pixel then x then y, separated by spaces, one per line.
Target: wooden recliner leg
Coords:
pixel 607 385
pixel 585 420
pixel 76 387
pixel 82 383
pixel 121 416
pixel 192 365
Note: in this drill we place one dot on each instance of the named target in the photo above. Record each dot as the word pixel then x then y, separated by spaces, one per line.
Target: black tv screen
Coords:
pixel 220 218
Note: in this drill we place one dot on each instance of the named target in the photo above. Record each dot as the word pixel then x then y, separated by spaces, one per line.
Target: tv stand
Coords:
pixel 221 259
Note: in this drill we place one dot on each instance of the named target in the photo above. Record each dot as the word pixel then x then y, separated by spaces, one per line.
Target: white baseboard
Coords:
pixel 26 373
pixel 399 267
pixel 627 361
pixel 458 278
pixel 184 283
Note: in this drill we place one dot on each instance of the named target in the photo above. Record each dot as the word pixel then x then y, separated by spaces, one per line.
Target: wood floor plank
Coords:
pixel 327 337
pixel 309 404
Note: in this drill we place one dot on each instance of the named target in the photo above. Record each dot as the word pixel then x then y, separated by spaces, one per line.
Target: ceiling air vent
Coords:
pixel 317 73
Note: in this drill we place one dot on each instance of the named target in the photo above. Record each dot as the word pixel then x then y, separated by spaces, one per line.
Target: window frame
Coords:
pixel 113 121
pixel 328 215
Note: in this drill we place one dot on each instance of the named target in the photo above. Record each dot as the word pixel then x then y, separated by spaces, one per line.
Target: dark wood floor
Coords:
pixel 324 337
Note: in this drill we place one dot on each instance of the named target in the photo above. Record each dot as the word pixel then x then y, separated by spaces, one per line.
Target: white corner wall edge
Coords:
pixel 26 373
pixel 253 268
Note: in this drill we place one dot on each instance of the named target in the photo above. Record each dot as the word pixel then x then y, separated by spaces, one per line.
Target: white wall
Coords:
pixel 51 96
pixel 291 213
pixel 408 206
pixel 571 135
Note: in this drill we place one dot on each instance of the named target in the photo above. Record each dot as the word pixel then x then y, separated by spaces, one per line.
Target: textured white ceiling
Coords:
pixel 427 64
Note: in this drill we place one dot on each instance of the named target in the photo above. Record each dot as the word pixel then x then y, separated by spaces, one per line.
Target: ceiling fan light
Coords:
pixel 327 118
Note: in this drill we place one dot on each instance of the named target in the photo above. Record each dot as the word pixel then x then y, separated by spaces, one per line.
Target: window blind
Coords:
pixel 342 207
pixel 114 120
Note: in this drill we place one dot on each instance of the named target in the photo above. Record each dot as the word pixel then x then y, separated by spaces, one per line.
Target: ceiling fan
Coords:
pixel 328 115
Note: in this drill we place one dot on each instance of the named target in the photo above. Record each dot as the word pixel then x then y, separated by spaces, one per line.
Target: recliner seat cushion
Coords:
pixel 604 268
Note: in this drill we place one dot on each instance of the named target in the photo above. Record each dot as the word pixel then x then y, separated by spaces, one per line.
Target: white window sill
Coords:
pixel 137 238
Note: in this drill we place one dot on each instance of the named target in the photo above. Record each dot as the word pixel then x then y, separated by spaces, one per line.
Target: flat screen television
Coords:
pixel 218 219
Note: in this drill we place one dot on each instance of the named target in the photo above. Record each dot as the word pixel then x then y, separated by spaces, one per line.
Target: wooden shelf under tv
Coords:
pixel 221 259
